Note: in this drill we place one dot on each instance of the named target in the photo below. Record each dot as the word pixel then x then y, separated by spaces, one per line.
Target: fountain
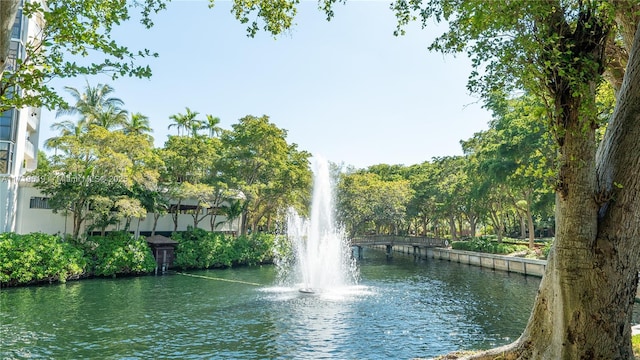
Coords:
pixel 321 252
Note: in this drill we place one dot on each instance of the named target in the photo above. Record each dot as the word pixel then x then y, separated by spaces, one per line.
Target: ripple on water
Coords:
pixel 400 310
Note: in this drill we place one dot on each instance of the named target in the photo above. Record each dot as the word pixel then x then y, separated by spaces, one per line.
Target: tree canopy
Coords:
pixel 68 32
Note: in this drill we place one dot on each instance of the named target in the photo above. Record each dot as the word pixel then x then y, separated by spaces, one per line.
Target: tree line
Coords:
pixel 105 170
pixel 502 182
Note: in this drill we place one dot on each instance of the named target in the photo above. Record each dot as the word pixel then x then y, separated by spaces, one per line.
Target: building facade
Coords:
pixel 19 128
pixel 35 215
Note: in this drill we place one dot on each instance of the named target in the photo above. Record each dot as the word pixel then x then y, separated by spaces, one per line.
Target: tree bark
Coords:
pixel 175 216
pixel 8 11
pixel 156 216
pixel 531 227
pixel 452 227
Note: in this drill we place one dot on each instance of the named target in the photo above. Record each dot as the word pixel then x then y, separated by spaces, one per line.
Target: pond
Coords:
pixel 400 309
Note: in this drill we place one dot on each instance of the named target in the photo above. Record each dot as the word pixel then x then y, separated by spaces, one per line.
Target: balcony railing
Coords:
pixel 29 149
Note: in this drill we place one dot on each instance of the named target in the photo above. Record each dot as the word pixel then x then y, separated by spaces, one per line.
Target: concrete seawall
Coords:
pixel 497 262
pixel 533 267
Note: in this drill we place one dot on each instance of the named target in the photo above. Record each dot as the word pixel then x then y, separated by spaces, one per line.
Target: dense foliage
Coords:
pixel 40 258
pixel 200 249
pixel 486 245
pixel 36 258
pixel 247 175
pixel 118 253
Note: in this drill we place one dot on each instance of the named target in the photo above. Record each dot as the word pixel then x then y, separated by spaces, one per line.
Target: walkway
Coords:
pixel 419 243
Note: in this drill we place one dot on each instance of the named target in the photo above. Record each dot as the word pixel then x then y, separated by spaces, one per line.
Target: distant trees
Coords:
pixel 513 162
pixel 502 182
pixel 366 200
pixel 105 171
pixel 251 173
pixel 96 166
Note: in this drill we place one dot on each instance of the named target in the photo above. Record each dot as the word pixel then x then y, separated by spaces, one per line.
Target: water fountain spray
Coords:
pixel 322 252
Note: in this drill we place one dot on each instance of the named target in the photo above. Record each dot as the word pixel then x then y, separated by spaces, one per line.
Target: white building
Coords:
pixel 34 215
pixel 19 129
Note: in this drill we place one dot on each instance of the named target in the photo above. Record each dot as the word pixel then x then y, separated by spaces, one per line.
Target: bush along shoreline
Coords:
pixel 38 258
pixel 509 247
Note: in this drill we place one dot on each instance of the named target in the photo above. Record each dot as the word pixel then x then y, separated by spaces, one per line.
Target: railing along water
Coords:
pixel 399 240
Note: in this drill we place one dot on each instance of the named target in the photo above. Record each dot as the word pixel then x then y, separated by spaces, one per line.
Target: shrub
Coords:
pixel 200 249
pixel 546 248
pixel 487 246
pixel 37 257
pixel 255 248
pixel 118 253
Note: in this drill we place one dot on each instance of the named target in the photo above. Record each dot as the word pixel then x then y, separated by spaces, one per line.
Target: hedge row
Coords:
pixel 200 249
pixel 38 257
pixel 487 246
pixel 41 258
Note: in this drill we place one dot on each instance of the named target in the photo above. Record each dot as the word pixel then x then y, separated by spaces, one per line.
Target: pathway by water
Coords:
pixel 400 309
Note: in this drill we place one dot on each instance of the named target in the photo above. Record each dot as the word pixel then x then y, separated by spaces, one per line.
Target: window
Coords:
pixel 16 51
pixel 6 157
pixel 7 125
pixel 184 209
pixel 39 203
pixel 17 26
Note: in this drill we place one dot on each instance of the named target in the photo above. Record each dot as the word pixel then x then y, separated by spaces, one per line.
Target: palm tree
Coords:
pixel 186 121
pixel 65 128
pixel 232 209
pixel 212 125
pixel 138 124
pixel 91 103
pixel 180 122
pixel 110 117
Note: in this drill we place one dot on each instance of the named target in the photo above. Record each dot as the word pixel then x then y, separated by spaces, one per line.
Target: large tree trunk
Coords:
pixel 243 223
pixel 8 11
pixel 531 227
pixel 77 223
pixel 585 302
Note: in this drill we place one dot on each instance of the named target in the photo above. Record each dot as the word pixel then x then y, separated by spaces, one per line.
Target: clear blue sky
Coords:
pixel 347 89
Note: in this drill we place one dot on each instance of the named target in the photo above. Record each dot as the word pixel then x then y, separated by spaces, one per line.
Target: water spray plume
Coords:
pixel 322 253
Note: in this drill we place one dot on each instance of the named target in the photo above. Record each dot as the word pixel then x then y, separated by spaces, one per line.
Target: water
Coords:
pixel 321 251
pixel 400 309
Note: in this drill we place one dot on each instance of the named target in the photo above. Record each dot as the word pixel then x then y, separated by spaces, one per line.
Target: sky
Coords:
pixel 347 90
